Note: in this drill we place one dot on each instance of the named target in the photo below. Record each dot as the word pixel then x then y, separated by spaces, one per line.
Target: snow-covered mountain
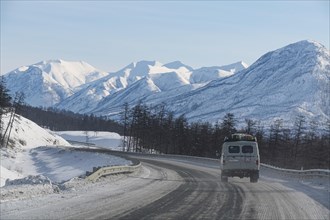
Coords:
pixel 49 82
pixel 285 82
pixel 281 84
pixel 148 81
pixel 293 80
pixel 206 74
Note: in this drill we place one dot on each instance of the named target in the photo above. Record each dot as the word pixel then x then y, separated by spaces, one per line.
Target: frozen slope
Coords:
pixel 36 154
pixel 25 135
pixel 49 82
pixel 283 83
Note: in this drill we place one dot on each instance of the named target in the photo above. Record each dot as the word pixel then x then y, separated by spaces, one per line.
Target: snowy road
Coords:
pixel 165 189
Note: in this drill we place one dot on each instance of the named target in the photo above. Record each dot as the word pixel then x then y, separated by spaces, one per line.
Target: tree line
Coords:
pixel 157 130
pixel 304 146
pixel 62 120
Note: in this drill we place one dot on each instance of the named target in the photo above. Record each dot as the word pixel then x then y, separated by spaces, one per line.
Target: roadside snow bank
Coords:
pixel 62 164
pixel 315 177
pixel 6 174
pixel 33 151
pixel 316 187
pixel 25 135
pixel 59 164
pixel 32 180
pixel 27 187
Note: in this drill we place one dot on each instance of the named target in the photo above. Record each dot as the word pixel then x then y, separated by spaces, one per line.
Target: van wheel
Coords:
pixel 224 178
pixel 253 179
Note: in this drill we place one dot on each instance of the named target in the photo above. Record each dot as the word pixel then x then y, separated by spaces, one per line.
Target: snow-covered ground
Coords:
pixel 109 140
pixel 43 168
pixel 316 187
pixel 34 155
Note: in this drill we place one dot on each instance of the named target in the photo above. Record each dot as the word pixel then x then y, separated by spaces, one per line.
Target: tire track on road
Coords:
pixel 199 197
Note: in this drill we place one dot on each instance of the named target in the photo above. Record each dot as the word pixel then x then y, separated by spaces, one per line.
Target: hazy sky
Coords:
pixel 111 34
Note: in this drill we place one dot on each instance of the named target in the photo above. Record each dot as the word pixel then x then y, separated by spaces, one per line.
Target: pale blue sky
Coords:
pixel 111 34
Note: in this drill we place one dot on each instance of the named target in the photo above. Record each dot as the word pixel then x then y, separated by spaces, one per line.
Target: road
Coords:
pixel 168 189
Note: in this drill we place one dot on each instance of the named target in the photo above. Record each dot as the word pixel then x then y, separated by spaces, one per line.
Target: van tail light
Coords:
pixel 257 162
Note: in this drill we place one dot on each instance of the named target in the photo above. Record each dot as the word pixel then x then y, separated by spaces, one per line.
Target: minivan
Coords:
pixel 240 157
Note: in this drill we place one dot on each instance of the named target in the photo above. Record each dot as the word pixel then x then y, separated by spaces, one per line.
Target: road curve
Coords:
pixel 168 189
pixel 200 196
pixel 203 196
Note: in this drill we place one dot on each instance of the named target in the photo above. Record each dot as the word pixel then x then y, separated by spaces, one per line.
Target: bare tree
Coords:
pixel 18 102
pixel 4 104
pixel 250 126
pixel 299 129
pixel 125 118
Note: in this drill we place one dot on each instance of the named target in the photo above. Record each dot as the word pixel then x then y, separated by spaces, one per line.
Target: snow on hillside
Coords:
pixel 26 135
pixel 281 84
pixel 207 74
pixel 179 66
pixel 290 81
pixel 34 155
pixel 49 82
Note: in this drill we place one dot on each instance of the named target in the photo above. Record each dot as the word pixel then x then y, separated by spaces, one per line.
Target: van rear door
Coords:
pixel 249 156
pixel 233 157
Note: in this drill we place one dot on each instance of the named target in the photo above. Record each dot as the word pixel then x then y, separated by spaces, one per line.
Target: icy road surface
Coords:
pixel 167 189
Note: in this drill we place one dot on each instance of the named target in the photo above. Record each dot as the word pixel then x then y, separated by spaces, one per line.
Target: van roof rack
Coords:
pixel 240 137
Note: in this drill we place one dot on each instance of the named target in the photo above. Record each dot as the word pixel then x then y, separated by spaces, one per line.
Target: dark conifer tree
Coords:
pixel 228 124
pixel 4 104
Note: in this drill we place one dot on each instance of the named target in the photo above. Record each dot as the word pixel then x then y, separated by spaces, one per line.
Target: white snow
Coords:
pixel 46 175
pixel 316 187
pixel 35 153
pixel 8 174
pixel 104 139
pixel 49 82
pixel 282 83
pixel 26 134
pixel 148 80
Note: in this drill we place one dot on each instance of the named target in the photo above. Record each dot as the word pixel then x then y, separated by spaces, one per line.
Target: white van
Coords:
pixel 240 157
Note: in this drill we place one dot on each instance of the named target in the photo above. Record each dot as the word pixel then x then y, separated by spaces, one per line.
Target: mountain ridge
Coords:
pixel 283 83
pixel 48 82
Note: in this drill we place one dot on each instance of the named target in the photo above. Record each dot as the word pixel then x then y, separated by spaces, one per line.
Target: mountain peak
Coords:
pixel 307 52
pixel 304 45
pixel 235 67
pixel 242 63
pixel 51 61
pixel 145 63
pixel 177 64
pixel 309 42
pixel 48 82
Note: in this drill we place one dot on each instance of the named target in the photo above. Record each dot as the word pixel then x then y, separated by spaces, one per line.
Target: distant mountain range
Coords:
pixel 49 82
pixel 283 83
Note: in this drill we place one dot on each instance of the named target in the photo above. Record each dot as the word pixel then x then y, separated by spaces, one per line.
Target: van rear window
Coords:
pixel 233 149
pixel 247 149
